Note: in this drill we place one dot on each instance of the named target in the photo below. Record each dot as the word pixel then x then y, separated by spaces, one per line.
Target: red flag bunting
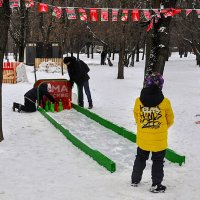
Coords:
pixel 82 13
pixel 188 11
pixel 171 12
pixel 30 3
pixel 157 12
pixel 164 11
pixel 147 14
pixel 14 3
pixel 135 15
pixel 1 3
pixel 124 16
pixel 157 15
pixel 198 12
pixel 176 11
pixel 71 13
pixel 42 7
pixel 150 26
pixel 57 12
pixel 104 14
pixel 114 14
pixel 93 14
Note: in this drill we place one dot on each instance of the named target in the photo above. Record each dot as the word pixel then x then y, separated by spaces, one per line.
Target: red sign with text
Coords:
pixel 60 89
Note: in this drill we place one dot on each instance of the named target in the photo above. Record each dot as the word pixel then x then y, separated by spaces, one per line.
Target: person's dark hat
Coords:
pixel 69 59
pixel 154 79
pixel 43 86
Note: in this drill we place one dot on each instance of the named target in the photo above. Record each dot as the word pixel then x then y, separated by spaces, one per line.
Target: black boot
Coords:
pixel 15 105
pixel 19 108
pixel 158 188
pixel 90 106
pixel 81 104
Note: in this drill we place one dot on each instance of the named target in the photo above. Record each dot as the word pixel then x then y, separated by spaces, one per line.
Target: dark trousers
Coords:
pixel 157 172
pixel 28 106
pixel 86 87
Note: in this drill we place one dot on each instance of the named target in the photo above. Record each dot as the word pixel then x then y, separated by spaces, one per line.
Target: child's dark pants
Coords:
pixel 157 172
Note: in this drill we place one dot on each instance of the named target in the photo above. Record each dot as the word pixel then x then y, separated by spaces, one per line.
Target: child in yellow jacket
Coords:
pixel 153 115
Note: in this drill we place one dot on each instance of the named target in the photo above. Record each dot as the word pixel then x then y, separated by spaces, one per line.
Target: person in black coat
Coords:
pixel 31 96
pixel 78 73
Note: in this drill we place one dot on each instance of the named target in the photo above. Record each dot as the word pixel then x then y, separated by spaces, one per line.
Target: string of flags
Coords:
pixel 121 14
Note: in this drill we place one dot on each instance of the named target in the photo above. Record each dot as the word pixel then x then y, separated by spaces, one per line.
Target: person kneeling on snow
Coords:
pixel 31 96
pixel 153 115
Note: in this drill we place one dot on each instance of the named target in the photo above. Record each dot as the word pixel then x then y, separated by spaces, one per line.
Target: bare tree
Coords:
pixel 4 23
pixel 159 40
pixel 19 29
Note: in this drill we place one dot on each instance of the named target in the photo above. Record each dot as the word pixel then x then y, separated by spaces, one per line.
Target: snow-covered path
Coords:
pixel 114 146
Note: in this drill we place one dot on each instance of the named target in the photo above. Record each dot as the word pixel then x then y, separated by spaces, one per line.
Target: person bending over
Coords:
pixel 78 73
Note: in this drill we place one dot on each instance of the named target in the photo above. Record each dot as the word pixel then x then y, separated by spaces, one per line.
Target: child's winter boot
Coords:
pixel 135 183
pixel 159 188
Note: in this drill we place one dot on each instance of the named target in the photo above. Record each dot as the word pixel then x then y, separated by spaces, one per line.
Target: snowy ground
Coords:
pixel 38 162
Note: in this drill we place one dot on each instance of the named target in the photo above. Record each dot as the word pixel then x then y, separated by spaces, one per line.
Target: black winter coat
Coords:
pixel 78 72
pixel 32 94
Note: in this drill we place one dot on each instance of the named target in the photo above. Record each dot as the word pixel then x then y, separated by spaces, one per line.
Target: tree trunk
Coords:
pixel 147 50
pixel 22 30
pixel 138 53
pixel 88 50
pixel 92 51
pixel 21 53
pixel 159 41
pixel 113 56
pixel 121 55
pixel 121 65
pixel 132 59
pixel 5 22
pixel 143 53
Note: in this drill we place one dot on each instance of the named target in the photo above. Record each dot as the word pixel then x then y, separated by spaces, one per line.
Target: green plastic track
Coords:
pixel 96 155
pixel 170 154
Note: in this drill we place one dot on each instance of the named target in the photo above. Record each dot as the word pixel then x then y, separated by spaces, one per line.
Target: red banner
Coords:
pixel 93 14
pixel 124 16
pixel 1 3
pixel 198 12
pixel 188 11
pixel 135 15
pixel 147 14
pixel 176 11
pixel 14 3
pixel 57 12
pixel 114 14
pixel 42 7
pixel 104 14
pixel 30 3
pixel 82 13
pixel 71 13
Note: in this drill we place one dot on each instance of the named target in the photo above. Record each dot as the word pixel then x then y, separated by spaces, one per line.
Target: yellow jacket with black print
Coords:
pixel 153 124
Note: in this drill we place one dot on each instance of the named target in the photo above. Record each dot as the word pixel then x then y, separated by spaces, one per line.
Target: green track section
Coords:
pixel 170 154
pixel 96 155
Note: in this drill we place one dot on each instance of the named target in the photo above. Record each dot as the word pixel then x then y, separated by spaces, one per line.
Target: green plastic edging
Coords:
pixel 96 155
pixel 170 154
